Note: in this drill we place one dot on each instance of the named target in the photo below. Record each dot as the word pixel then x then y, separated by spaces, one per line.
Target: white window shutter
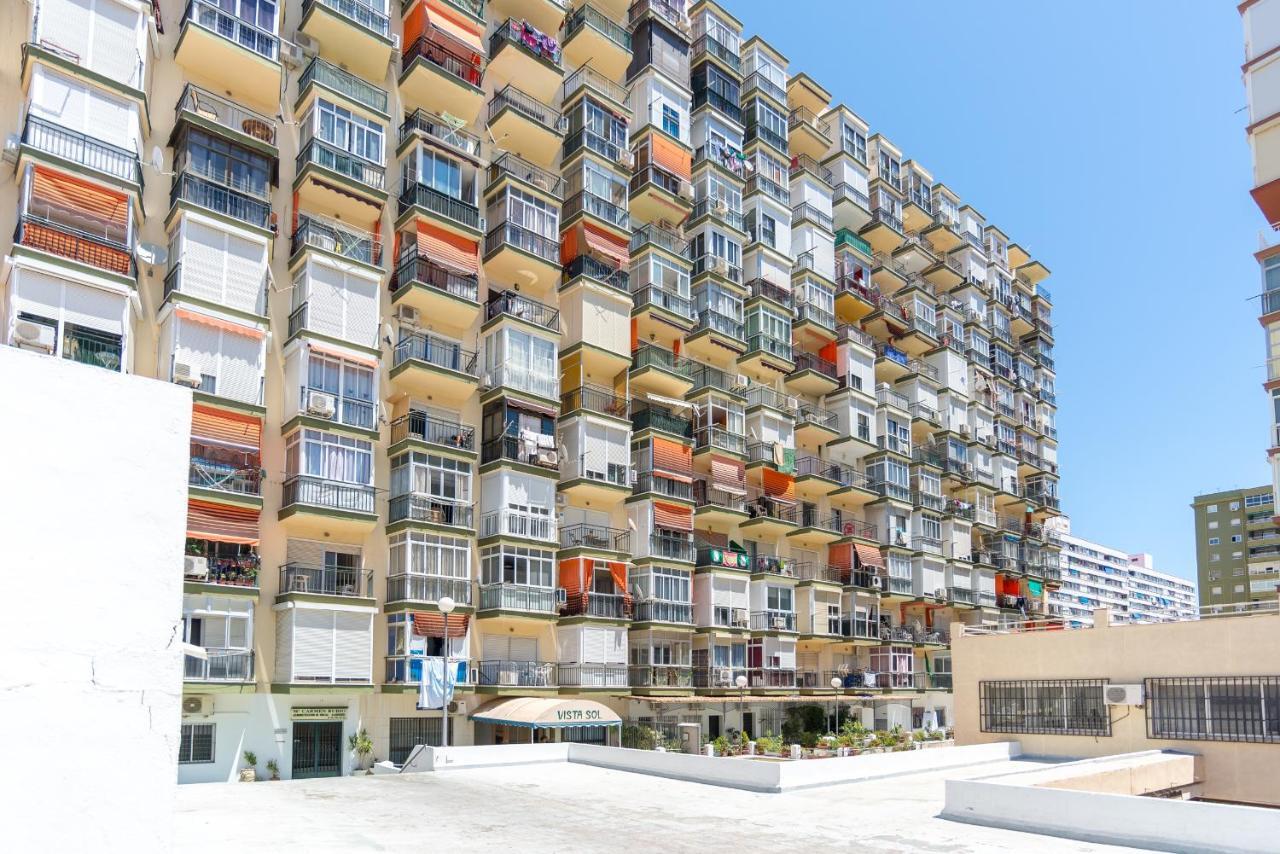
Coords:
pixel 198 345
pixel 325 300
pixel 494 647
pixel 245 273
pixel 362 310
pixel 353 646
pixel 284 647
pixel 114 49
pixel 64 25
pixel 524 649
pixel 240 372
pixel 312 644
pixel 204 261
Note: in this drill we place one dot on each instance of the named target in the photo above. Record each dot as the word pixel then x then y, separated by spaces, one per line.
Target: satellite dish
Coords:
pixel 152 254
pixel 157 158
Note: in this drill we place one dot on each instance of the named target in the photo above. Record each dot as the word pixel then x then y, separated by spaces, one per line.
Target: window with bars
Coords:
pixel 196 744
pixel 407 733
pixel 1214 708
pixel 1052 707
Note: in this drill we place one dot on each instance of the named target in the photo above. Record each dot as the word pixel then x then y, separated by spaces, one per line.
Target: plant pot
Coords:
pixel 248 775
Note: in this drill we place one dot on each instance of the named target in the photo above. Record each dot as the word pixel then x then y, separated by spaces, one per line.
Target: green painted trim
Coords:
pixel 577 413
pixel 240 138
pixel 720 338
pixel 507 108
pixel 487 613
pixel 193 687
pixel 326 599
pixel 416 525
pixel 293 688
pixel 423 365
pixel 61 163
pixel 329 426
pixel 369 192
pixel 622 360
pixel 231 590
pixel 525 468
pixel 229 405
pixel 256 319
pixel 401 605
pixel 19 250
pixel 315 510
pixel 320 336
pixel 519 322
pixel 415 210
pixel 566 485
pixel 307 247
pixel 233 499
pixel 403 290
pixel 412 444
pixel 343 19
pixel 185 205
pixel 656 496
pixel 31 50
pixel 575 551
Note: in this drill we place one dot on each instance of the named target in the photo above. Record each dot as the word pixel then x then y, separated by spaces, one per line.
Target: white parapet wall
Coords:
pixel 95 500
pixel 756 775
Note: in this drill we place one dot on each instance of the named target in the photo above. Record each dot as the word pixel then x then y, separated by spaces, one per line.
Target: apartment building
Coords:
pixel 1237 547
pixel 1261 74
pixel 1127 585
pixel 596 322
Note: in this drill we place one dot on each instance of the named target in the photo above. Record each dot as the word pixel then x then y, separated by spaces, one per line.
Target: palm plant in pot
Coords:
pixel 249 774
pixel 362 746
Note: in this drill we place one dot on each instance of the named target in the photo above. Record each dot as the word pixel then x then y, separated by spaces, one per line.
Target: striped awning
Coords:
pixel 430 624
pixel 729 475
pixel 220 323
pixel 600 241
pixel 447 248
pixel 673 458
pixel 226 428
pixel 779 485
pixel 670 155
pixel 81 197
pixel 455 30
pixel 672 516
pixel 869 557
pixel 209 521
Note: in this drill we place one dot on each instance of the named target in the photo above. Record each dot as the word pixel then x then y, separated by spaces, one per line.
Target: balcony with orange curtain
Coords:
pixel 443 61
pixel 75 221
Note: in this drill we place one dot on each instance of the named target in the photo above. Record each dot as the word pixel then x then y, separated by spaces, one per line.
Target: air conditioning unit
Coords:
pixel 625 159
pixel 779 623
pixel 720 267
pixel 321 404
pixel 685 191
pixel 407 315
pixel 1122 695
pixel 739 616
pixel 548 456
pixel 34 336
pixel 877 582
pixel 291 54
pixel 720 207
pixel 195 566
pixel 197 704
pixel 633 477
pixel 940 594
pixel 185 374
pixel 486 380
pixel 964 430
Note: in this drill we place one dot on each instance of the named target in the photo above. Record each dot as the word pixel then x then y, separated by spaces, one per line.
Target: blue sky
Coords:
pixel 1108 139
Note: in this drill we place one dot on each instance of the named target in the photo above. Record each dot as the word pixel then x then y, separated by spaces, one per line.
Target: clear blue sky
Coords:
pixel 1107 137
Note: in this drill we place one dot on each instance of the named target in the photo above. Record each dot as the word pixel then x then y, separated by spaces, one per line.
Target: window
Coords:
pixel 1234 505
pixel 517 565
pixel 196 744
pixel 349 383
pixel 1063 707
pixel 855 143
pixel 218 160
pixel 440 173
pixel 1214 708
pixel 84 344
pixel 1216 591
pixel 1212 508
pixel 1213 541
pixel 1235 538
pixel 346 131
pixel 1213 526
pixel 419 553
pixel 523 361
pixel 1239 588
pixel 408 732
pixel 1235 523
pixel 671 120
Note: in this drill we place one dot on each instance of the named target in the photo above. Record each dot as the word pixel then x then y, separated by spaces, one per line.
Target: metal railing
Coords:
pixel 429 124
pixel 208 16
pixel 515 305
pixel 717 676
pixel 663 238
pixel 517 167
pixel 672 547
pixel 511 523
pixel 612 606
pixel 601 537
pixel 597 206
pixel 587 15
pixel 452 62
pixel 435 431
pixel 516 450
pixel 420 507
pixel 511 32
pixel 341 81
pixel 412 268
pixel 716 100
pixel 208 474
pixel 413 194
pixel 331 494
pixel 345 163
pixel 648 355
pixel 509 97
pixel 591 675
pixel 59 141
pixel 585 265
pixel 219 665
pixel 198 190
pixel 707 494
pixel 763 288
pixel 228 114
pixel 663 611
pixel 663 299
pixel 326 580
pixel 501 596
pixel 336 237
pixel 815 313
pixel 418 587
pixel 715 321
pixel 661 675
pixel 661 484
pixel 523 674
pixel 718 437
pixel 588 78
pixel 435 351
pixel 772 677
pixel 594 399
pixel 806 211
pixel 58 239
pixel 709 45
pixel 365 16
pixel 768 344
pixel 720 211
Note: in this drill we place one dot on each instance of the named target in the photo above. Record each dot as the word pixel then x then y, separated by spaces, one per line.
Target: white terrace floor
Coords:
pixel 566 807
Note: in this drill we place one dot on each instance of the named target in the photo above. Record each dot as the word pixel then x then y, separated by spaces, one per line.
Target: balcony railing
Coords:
pixel 345 163
pixel 408 669
pixel 601 537
pixel 661 675
pixel 512 32
pixel 343 82
pixel 610 606
pixel 719 210
pixel 721 439
pixel 515 305
pixel 413 194
pixel 80 148
pixel 329 494
pixel 591 675
pixel 659 177
pixel 539 452
pixel 502 596
pixel 648 416
pixel 884 216
pixel 588 16
pixel 419 507
pixel 190 187
pixel 710 319
pixel 365 16
pixel 590 398
pixel 815 313
pixel 658 482
pixel 758 183
pixel 663 238
pixel 768 344
pixel 855 626
pixel 597 206
pixel 526 105
pixel 663 611
pixel 434 431
pixel 804 210
pixel 336 237
pixel 228 114
pixel 588 78
pixel 808 571
pixel 707 494
pixel 763 288
pixel 208 16
pixel 219 665
pixel 671 546
pixel 708 44
pixel 417 587
pixel 522 674
pixel 647 355
pixel 718 676
pixel 453 62
pixel 515 166
pixel 664 299
pixel 772 677
pixel 807 413
pixel 327 580
pixel 765 134
pixel 511 523
pixel 717 101
pixel 66 242
pixel 435 351
pixel 801 163
pixel 413 268
pixel 207 474
pixel 847 192
pixel 598 271
pixel 421 122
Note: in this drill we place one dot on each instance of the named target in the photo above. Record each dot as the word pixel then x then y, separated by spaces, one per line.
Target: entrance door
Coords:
pixel 749 724
pixel 713 726
pixel 317 749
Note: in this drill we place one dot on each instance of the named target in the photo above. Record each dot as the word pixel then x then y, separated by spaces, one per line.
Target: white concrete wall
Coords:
pixel 91 669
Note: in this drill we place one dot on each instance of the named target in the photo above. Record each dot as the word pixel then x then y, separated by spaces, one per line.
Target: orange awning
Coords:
pixel 209 521
pixel 868 556
pixel 729 475
pixel 670 156
pixel 455 29
pixel 672 457
pixel 226 428
pixel 430 624
pixel 219 323
pixel 606 244
pixel 672 516
pixel 73 194
pixel 779 485
pixel 447 248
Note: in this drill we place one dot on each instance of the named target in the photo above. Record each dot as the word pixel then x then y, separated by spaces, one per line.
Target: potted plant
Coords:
pixel 249 774
pixel 361 745
pixel 274 768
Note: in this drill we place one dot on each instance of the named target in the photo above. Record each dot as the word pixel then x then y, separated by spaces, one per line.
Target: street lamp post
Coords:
pixel 835 686
pixel 741 682
pixel 446 606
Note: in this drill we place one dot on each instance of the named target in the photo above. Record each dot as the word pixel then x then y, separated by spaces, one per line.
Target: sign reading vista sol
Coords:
pixel 547 712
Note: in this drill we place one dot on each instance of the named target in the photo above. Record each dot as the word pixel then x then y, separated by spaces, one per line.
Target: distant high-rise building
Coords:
pixel 1237 546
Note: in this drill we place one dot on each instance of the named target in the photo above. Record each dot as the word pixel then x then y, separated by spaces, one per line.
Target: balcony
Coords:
pixel 354 34
pixel 418 587
pixel 851 209
pixel 522 598
pixel 217 476
pixel 429 430
pixel 708 45
pixel 321 494
pixel 718 210
pixel 651 417
pixel 671 547
pixel 717 101
pixel 425 365
pixel 221 569
pixel 659 484
pixel 514 253
pixel 449 297
pixel 326 75
pixel 587 79
pixel 194 189
pixel 423 200
pixel 520 53
pixel 442 75
pixel 657 194
pixel 767 352
pixel 408 670
pixel 540 452
pixel 336 238
pixel 663 611
pixel 715 504
pixel 673 307
pixel 857 627
pixel 586 267
pixel 72 146
pixel 884 231
pixel 590 36
pixel 512 523
pixel 219 665
pixel 806 136
pixel 607 606
pixel 515 114
pixel 512 304
pixel 813 375
pixel 715 330
pixel 326 580
pixel 659 370
pixel 807 571
pixel 584 202
pixel 660 676
pixel 595 538
pixel 805 212
pixel 719 439
pixel 771 677
pixel 241 58
pixel 205 109
pixel 593 675
pixel 813 318
pixel 725 678
pixel 516 674
pixel 430 510
pixel 46 235
pixel 589 398
pixel 962 596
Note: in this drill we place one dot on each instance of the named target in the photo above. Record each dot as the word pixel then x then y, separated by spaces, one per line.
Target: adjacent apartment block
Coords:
pixel 1237 547
pixel 1261 72
pixel 1128 585
pixel 597 319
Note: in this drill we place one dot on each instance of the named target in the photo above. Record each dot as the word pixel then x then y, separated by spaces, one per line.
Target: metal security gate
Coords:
pixel 317 749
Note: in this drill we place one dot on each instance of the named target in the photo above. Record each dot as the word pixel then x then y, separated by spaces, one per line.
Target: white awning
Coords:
pixel 546 713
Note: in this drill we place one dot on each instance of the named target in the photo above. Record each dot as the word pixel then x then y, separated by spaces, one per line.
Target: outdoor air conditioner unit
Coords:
pixel 321 404
pixel 720 207
pixel 34 336
pixel 197 704
pixel 626 159
pixel 720 266
pixel 685 191
pixel 562 124
pixel 407 315
pixel 739 616
pixel 877 582
pixel 291 54
pixel 1122 695
pixel 195 566
pixel 548 456
pixel 779 623
pixel 940 593
pixel 633 477
pixel 185 374
pixel 486 381
pixel 964 430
